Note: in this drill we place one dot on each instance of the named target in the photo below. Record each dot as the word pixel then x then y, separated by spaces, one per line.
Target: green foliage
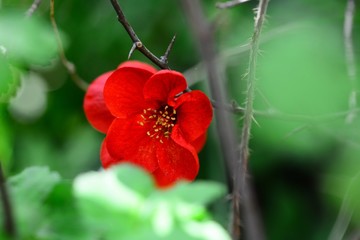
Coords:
pixel 120 203
pixel 26 40
pixel 9 79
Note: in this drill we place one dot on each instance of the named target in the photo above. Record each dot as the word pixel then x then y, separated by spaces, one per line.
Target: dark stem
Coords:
pixel 204 36
pixel 34 6
pixel 160 62
pixel 9 225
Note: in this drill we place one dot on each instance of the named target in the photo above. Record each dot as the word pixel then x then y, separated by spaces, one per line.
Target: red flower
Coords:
pixel 149 120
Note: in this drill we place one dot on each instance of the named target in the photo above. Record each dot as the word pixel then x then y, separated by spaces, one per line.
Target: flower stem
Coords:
pixel 9 225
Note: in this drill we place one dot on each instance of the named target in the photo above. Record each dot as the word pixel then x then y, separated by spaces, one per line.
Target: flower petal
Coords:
pixel 177 158
pixel 106 159
pixel 137 64
pixel 95 109
pixel 164 85
pixel 163 180
pixel 199 143
pixel 123 91
pixel 128 140
pixel 194 114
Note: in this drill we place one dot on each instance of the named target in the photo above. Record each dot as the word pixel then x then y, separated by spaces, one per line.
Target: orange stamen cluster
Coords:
pixel 162 120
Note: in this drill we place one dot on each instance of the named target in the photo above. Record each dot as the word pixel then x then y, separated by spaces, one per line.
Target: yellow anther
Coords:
pixel 161 141
pixel 141 123
pixel 148 133
pixel 173 118
pixel 144 110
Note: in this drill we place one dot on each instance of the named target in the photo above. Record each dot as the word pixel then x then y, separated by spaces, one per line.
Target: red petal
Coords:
pixel 106 159
pixel 137 64
pixel 94 105
pixel 164 85
pixel 178 159
pixel 128 140
pixel 194 114
pixel 163 180
pixel 199 143
pixel 123 90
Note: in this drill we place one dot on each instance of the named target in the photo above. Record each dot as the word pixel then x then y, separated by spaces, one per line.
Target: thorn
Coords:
pixel 167 53
pixel 132 50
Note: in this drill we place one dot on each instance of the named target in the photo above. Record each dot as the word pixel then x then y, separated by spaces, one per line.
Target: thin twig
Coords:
pixel 230 4
pixel 70 67
pixel 160 62
pixel 9 225
pixel 241 167
pixel 350 56
pixel 34 6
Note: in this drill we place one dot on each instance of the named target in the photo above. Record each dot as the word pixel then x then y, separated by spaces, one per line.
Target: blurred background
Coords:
pixel 305 145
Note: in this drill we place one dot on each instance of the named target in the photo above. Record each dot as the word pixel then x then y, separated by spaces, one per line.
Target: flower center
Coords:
pixel 161 120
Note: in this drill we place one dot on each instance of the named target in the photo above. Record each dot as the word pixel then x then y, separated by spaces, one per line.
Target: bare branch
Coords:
pixel 230 4
pixel 34 6
pixel 70 67
pixel 161 63
pixel 350 56
pixel 9 224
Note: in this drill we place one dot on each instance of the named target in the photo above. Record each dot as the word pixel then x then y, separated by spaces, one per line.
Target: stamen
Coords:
pixel 141 123
pixel 148 133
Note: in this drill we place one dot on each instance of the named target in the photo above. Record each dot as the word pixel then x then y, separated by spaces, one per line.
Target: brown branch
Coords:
pixel 160 62
pixel 34 6
pixel 70 67
pixel 9 225
pixel 230 4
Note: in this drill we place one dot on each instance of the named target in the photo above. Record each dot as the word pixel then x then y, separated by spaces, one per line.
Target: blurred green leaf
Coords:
pixel 28 190
pixel 199 192
pixel 9 79
pixel 27 40
pixel 122 203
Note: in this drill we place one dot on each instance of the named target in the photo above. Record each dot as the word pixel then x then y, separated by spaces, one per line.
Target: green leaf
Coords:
pixel 122 203
pixel 9 80
pixel 63 221
pixel 198 192
pixel 28 40
pixel 28 191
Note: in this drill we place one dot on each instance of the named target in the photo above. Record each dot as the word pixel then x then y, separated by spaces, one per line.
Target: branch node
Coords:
pixel 139 44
